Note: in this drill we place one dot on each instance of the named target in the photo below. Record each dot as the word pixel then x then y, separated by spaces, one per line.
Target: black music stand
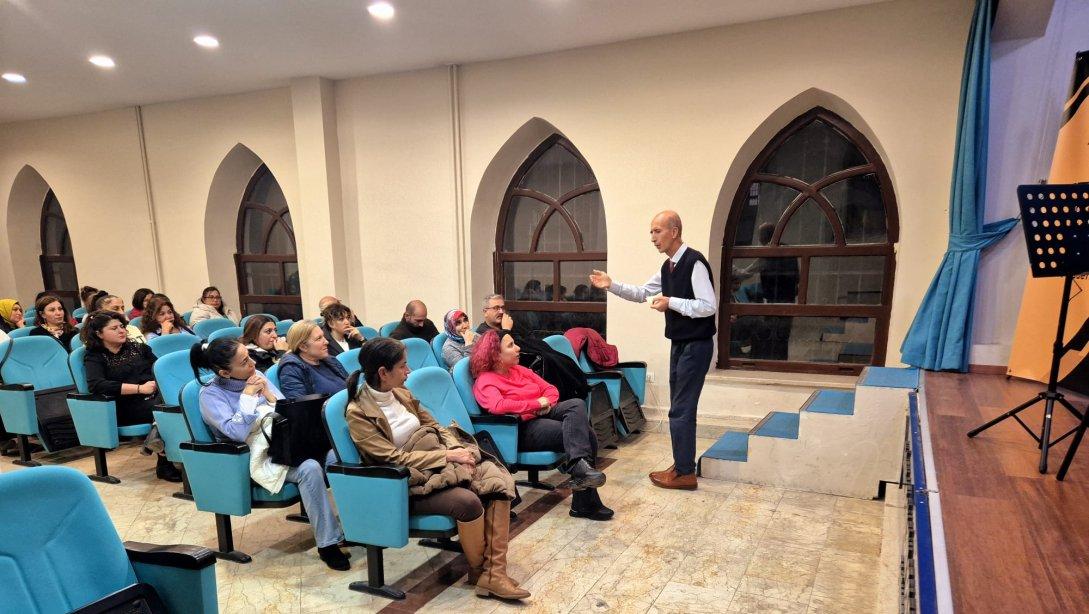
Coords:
pixel 1056 223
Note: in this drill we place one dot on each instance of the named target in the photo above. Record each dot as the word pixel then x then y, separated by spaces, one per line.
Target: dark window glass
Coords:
pixel 803 339
pixel 814 151
pixel 57 261
pixel 268 269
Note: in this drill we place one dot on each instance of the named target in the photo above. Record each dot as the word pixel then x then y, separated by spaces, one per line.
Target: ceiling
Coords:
pixel 265 43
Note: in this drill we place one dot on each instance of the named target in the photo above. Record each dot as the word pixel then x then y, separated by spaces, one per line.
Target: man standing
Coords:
pixel 688 302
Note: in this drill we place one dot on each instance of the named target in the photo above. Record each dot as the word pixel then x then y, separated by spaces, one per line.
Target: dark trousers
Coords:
pixel 566 427
pixel 688 364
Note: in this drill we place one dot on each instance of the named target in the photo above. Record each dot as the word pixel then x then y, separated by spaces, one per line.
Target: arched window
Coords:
pixel 58 262
pixel 551 235
pixel 808 253
pixel 268 267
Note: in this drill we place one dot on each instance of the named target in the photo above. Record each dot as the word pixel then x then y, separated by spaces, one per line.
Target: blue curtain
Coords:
pixel 941 334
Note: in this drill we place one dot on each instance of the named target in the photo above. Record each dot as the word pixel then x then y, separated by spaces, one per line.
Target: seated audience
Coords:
pixel 338 329
pixel 459 337
pixel 307 368
pixel 211 306
pixel 504 387
pixel 495 315
pixel 265 346
pixel 140 299
pixel 11 315
pixel 233 406
pixel 53 321
pixel 332 300
pixel 123 369
pixel 116 304
pixel 92 302
pixel 162 319
pixel 414 323
pixel 386 423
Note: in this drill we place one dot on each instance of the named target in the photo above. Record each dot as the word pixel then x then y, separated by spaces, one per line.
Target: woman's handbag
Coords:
pixel 298 432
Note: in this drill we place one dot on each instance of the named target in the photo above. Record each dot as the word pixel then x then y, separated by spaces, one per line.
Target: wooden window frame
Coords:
pixel 47 261
pixel 881 313
pixel 501 257
pixel 241 258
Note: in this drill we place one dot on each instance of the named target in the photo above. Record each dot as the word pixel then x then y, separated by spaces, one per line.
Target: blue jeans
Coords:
pixel 311 480
pixel 688 364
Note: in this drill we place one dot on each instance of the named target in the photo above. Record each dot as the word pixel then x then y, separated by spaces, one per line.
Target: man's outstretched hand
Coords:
pixel 600 279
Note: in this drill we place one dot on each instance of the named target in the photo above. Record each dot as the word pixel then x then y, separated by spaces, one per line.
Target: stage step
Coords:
pixel 842 442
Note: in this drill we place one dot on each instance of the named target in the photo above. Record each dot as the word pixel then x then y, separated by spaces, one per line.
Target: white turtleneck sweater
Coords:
pixel 401 421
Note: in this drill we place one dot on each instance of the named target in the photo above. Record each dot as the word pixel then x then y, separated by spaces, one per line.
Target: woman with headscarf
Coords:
pixel 459 337
pixel 11 315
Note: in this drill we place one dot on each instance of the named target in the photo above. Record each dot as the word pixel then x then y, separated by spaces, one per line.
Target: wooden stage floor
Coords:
pixel 1017 541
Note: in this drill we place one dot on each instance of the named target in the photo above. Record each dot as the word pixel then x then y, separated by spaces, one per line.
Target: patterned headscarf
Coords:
pixel 7 305
pixel 449 322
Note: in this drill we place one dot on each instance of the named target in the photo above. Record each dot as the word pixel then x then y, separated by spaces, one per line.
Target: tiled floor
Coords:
pixel 724 548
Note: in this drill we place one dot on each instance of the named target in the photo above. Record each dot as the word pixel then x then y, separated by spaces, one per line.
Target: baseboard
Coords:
pixel 988 369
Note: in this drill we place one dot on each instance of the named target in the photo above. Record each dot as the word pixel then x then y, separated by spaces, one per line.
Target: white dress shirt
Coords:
pixel 700 307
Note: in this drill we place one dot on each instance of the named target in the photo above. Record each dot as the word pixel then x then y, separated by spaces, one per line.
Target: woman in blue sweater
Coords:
pixel 232 406
pixel 307 368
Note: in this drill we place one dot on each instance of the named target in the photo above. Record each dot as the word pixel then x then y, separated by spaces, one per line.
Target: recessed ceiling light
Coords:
pixel 101 61
pixel 381 10
pixel 14 77
pixel 206 41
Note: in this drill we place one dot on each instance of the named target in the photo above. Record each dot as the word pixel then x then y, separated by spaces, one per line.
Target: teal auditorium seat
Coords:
pixel 35 374
pixel 20 332
pixel 75 343
pixel 168 344
pixel 187 315
pixel 367 332
pixel 273 375
pixel 387 328
pixel 373 503
pixel 66 555
pixel 247 318
pixel 231 332
pixel 207 327
pixel 219 475
pixel 136 321
pixel 78 313
pixel 172 373
pixel 420 354
pixel 503 429
pixel 282 327
pixel 95 418
pixel 626 384
pixel 29 315
pixel 436 347
pixel 350 360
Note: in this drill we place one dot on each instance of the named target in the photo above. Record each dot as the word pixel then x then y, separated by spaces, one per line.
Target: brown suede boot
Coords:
pixel 471 536
pixel 494 581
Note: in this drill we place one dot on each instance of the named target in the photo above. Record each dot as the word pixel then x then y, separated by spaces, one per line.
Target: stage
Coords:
pixel 1015 540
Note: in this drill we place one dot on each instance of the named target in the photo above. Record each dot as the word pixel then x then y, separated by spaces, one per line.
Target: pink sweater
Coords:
pixel 514 393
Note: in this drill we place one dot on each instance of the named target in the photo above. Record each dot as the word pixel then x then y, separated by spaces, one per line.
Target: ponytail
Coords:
pixel 353 384
pixel 215 356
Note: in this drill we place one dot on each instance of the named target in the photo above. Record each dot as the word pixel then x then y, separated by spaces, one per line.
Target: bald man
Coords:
pixel 687 298
pixel 415 323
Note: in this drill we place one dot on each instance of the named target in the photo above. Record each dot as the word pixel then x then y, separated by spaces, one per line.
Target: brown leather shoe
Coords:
pixel 660 475
pixel 675 481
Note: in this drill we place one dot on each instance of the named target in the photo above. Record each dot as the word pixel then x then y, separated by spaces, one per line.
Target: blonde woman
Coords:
pixel 307 368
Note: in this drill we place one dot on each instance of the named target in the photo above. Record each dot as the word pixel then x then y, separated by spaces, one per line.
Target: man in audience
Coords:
pixel 495 315
pixel 332 300
pixel 415 323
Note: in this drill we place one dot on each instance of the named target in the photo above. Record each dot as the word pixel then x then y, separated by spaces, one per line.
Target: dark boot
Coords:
pixel 166 471
pixel 583 475
pixel 587 504
pixel 334 557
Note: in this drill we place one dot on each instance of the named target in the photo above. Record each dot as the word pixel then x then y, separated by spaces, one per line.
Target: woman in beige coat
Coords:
pixel 382 418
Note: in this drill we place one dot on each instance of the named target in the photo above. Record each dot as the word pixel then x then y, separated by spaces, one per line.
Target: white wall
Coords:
pixel 664 122
pixel 1030 83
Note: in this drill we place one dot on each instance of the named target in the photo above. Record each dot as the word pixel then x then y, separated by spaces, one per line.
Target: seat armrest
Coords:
pixel 605 374
pixel 17 387
pixel 630 364
pixel 169 409
pixel 81 396
pixel 498 419
pixel 390 472
pixel 219 447
pixel 176 556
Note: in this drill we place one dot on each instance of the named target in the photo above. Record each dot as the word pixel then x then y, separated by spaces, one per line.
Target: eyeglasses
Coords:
pixel 496 308
pixel 214 296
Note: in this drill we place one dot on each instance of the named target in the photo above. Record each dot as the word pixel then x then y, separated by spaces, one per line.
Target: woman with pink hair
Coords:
pixel 503 386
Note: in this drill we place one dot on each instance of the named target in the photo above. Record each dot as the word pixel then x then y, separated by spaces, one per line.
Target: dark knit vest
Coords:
pixel 679 284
